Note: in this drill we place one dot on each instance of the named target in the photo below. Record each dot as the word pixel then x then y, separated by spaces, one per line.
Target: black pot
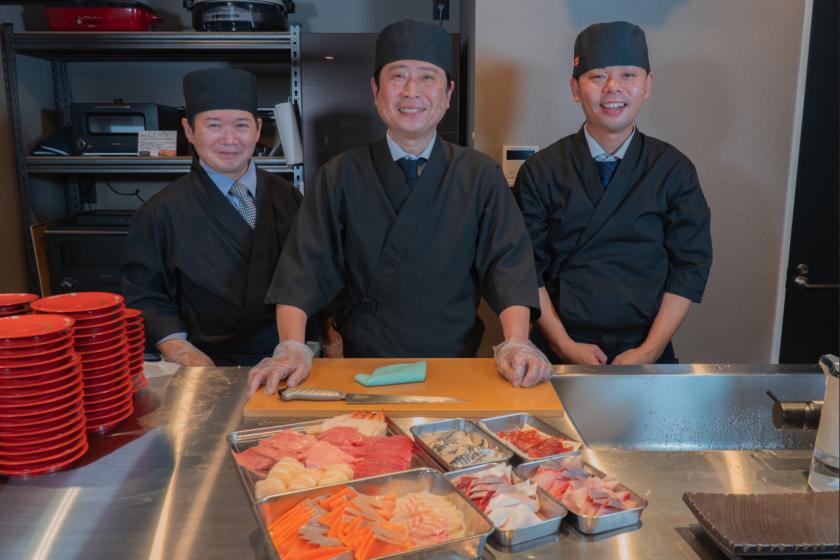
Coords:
pixel 240 15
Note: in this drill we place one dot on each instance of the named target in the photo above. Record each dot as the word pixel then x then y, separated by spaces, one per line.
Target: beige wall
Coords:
pixel 724 93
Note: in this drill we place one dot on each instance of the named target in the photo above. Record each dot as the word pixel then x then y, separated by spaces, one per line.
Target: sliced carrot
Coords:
pixel 336 513
pixel 321 553
pixel 337 498
pixel 349 529
pixel 363 549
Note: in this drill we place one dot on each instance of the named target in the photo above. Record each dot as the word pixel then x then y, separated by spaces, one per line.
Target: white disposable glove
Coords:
pixel 521 363
pixel 291 361
pixel 184 353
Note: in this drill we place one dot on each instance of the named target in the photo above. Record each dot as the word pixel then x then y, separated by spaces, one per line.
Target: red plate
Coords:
pixel 41 366
pixel 118 347
pixel 104 384
pixel 77 302
pixel 43 388
pixel 19 415
pixel 133 314
pixel 86 315
pixel 63 377
pixel 10 300
pixel 15 310
pixel 99 313
pixel 87 336
pixel 30 458
pixel 45 436
pixel 8 436
pixel 37 350
pixel 97 321
pixel 107 407
pixel 101 345
pixel 35 445
pixel 103 422
pixel 32 329
pixel 104 381
pixel 15 349
pixel 51 383
pixel 42 424
pixel 38 360
pixel 136 349
pixel 140 385
pixel 138 336
pixel 20 375
pixel 99 328
pixel 91 373
pixel 136 361
pixel 111 358
pixel 48 467
pixel 95 395
pixel 63 394
pixel 46 461
pixel 82 341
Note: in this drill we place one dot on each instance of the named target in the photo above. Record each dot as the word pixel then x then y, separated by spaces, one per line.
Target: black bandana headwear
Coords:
pixel 617 43
pixel 414 40
pixel 220 88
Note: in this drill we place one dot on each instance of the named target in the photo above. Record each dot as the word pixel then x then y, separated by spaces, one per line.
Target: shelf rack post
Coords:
pixel 294 40
pixel 63 102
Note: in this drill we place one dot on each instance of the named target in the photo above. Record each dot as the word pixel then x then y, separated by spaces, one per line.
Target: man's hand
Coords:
pixel 291 361
pixel 635 356
pixel 184 353
pixel 521 363
pixel 581 353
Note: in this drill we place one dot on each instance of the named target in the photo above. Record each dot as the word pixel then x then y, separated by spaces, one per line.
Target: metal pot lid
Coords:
pixel 276 3
pixel 830 364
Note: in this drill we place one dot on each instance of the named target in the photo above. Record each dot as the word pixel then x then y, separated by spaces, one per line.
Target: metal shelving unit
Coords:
pixel 106 165
pixel 62 47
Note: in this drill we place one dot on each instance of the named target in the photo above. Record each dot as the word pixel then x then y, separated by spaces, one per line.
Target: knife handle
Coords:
pixel 311 394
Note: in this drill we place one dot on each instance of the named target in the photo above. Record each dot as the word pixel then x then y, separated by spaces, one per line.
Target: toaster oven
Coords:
pixel 111 128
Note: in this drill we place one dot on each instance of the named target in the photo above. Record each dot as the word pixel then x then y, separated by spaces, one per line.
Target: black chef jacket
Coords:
pixel 192 264
pixel 409 264
pixel 606 256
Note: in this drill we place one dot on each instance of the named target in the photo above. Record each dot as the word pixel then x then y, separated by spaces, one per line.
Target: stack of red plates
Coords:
pixel 15 304
pixel 42 422
pixel 136 335
pixel 101 342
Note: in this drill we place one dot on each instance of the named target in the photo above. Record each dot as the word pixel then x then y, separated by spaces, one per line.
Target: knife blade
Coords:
pixel 317 394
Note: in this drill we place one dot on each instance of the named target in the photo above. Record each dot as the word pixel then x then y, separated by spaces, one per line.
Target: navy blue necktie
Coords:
pixel 606 170
pixel 410 169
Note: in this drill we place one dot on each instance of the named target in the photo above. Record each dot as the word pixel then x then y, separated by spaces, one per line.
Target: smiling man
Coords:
pixel 617 218
pixel 200 254
pixel 409 232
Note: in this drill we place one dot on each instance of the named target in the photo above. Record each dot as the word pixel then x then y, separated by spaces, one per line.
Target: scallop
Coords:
pixel 268 487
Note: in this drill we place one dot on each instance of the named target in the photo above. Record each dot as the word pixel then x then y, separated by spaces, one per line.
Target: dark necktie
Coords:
pixel 606 170
pixel 247 208
pixel 410 169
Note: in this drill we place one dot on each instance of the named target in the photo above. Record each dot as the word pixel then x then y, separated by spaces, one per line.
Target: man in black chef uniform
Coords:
pixel 200 254
pixel 409 232
pixel 618 221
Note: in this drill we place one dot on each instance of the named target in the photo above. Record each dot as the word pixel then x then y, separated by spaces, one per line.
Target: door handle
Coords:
pixel 801 282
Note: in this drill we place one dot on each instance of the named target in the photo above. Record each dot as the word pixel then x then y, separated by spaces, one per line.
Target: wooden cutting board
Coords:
pixel 484 391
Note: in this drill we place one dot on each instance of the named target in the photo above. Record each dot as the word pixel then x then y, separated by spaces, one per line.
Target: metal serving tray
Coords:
pixel 551 511
pixel 519 420
pixel 244 439
pixel 457 424
pixel 592 524
pixel 477 526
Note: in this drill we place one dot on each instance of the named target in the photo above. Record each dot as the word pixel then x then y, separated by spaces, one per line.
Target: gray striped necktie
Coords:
pixel 245 202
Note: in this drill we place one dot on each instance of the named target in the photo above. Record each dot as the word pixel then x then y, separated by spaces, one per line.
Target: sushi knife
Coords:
pixel 316 394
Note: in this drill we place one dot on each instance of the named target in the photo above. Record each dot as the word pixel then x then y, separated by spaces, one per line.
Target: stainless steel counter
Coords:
pixel 164 487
